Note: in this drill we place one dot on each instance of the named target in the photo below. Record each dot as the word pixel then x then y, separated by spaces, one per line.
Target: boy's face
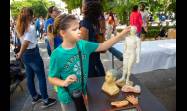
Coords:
pixel 73 32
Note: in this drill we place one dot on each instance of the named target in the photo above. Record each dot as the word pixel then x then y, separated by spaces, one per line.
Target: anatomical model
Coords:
pixel 128 88
pixel 131 55
pixel 120 103
pixel 109 85
pixel 132 99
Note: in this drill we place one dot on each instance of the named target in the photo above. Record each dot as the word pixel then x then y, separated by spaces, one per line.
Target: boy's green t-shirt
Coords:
pixel 65 62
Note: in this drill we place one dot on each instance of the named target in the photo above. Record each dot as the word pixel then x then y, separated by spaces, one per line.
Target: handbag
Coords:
pixel 16 47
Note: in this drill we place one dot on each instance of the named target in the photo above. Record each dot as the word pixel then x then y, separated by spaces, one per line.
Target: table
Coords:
pixel 159 54
pixel 100 101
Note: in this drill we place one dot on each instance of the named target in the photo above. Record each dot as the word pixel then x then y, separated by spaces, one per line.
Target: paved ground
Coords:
pixel 162 83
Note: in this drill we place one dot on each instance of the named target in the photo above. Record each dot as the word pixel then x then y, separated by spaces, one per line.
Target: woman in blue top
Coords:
pixel 53 32
pixel 53 12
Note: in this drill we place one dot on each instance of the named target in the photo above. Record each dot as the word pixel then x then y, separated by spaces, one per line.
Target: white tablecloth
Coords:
pixel 160 54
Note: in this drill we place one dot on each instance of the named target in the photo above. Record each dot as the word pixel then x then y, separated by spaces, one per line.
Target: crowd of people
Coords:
pixel 108 30
pixel 74 49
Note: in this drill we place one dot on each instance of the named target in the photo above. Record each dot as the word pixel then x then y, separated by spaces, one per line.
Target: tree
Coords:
pixel 73 4
pixel 16 6
pixel 39 7
pixel 172 7
pixel 123 7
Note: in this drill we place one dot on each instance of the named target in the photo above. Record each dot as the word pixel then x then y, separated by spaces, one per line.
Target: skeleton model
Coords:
pixel 131 55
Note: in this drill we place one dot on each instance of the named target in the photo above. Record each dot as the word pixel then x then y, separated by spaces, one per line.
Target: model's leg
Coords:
pixel 125 63
pixel 130 64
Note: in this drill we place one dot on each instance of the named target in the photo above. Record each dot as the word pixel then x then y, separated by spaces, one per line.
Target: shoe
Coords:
pixel 50 102
pixel 35 100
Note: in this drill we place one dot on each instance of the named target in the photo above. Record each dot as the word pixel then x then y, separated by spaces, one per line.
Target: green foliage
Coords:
pixel 39 7
pixel 123 7
pixel 73 4
pixel 16 6
pixel 172 7
pixel 108 4
pixel 153 31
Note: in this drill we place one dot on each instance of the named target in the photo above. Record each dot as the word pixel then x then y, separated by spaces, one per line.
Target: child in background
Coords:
pixel 53 32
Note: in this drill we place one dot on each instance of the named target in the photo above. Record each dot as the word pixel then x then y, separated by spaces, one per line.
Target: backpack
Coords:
pixel 15 71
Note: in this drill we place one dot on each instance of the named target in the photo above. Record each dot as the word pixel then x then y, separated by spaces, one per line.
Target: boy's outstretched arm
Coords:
pixel 107 44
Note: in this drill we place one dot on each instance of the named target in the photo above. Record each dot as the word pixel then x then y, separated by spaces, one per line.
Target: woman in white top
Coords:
pixel 30 55
pixel 110 25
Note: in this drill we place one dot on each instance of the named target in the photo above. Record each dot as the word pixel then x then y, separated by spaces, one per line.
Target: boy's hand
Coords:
pixel 70 79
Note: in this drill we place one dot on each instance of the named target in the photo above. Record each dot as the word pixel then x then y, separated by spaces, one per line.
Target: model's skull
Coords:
pixel 133 30
pixel 111 76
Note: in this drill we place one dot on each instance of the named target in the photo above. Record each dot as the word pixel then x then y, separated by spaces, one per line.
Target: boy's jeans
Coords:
pixel 34 65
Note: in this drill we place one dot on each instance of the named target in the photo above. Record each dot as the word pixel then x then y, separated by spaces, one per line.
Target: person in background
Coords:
pixel 102 25
pixel 90 29
pixel 53 32
pixel 116 23
pixel 136 19
pixel 53 12
pixel 110 25
pixel 145 18
pixel 37 25
pixel 41 20
pixel 32 60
